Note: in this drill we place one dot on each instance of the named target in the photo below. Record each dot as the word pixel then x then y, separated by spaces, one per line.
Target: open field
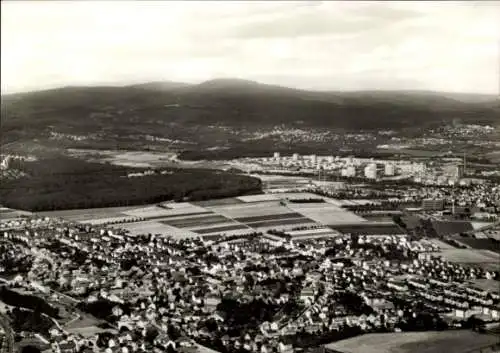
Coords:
pixel 204 220
pixel 326 213
pixel 259 198
pixel 482 244
pixel 9 213
pixel 441 244
pixel 229 216
pixel 89 331
pixel 480 225
pixel 282 222
pixel 489 285
pixel 268 217
pixel 306 233
pixel 218 202
pixel 356 202
pixel 83 215
pixel 415 342
pixel 251 209
pixel 369 228
pixel 154 227
pixel 484 258
pixel 84 321
pixel 223 229
pixel 126 158
pixel 154 211
pixel 444 228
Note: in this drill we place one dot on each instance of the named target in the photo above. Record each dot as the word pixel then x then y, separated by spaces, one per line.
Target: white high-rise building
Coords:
pixel 330 159
pixel 295 157
pixel 389 169
pixel 371 171
pixel 350 171
pixel 314 158
pixel 276 155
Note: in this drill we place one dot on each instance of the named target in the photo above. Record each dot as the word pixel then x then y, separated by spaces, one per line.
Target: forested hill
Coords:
pixel 160 106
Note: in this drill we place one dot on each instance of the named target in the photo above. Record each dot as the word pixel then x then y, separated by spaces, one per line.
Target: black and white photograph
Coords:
pixel 250 176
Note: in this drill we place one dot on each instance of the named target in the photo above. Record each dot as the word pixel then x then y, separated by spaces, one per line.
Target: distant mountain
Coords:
pixel 461 97
pixel 157 108
pixel 160 85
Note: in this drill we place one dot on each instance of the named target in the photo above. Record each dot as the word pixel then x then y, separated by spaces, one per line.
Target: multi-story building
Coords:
pixel 389 169
pixel 349 172
pixel 433 204
pixel 371 171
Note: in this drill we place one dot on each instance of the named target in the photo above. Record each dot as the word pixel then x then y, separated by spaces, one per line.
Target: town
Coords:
pixel 250 177
pixel 297 268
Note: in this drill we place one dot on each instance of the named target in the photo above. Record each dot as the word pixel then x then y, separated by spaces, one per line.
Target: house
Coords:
pixel 307 295
pixel 67 347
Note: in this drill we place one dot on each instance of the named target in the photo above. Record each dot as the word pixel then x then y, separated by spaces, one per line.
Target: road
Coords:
pixel 9 335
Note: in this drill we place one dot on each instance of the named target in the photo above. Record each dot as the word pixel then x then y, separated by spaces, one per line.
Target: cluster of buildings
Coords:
pixel 439 172
pixel 344 166
pixel 7 159
pixel 159 294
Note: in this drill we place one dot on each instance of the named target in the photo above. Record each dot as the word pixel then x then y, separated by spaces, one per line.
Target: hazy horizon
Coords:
pixel 139 83
pixel 448 47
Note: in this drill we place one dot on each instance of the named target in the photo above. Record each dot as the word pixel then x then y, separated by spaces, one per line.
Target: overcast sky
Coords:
pixel 440 46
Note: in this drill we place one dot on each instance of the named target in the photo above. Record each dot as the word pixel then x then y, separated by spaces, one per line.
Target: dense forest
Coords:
pixel 26 301
pixel 69 183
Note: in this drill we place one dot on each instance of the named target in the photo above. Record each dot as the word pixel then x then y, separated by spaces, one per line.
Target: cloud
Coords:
pixel 323 18
pixel 443 46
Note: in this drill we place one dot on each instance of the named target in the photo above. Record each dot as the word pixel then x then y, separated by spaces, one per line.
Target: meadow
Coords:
pixel 416 342
pixel 483 258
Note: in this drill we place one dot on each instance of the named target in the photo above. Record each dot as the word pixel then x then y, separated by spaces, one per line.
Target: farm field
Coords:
pixel 306 233
pixel 229 216
pixel 482 244
pixel 459 341
pixel 268 217
pixel 480 225
pixel 444 228
pixel 153 227
pixel 218 202
pixel 326 213
pixel 282 223
pixel 360 202
pixel 126 158
pixel 91 214
pixel 259 198
pixel 94 211
pixel 251 209
pixel 204 220
pixel 487 284
pixel 273 182
pixel 9 213
pixel 167 210
pixel 377 218
pixel 484 258
pixel 225 229
pixel 369 228
pixel 441 244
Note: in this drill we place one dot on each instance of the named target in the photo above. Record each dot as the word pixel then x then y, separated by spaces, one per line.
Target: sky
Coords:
pixel 330 45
